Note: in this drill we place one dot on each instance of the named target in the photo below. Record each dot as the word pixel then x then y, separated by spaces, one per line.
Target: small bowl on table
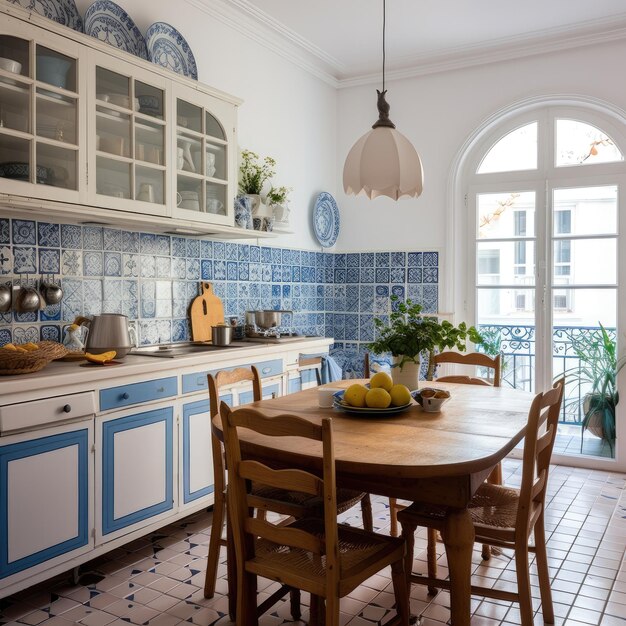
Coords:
pixel 431 399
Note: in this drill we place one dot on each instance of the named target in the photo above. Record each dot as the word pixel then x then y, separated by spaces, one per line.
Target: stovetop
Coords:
pixel 285 338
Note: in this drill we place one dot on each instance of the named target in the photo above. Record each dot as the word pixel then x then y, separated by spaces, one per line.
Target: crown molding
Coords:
pixel 243 17
pixel 547 41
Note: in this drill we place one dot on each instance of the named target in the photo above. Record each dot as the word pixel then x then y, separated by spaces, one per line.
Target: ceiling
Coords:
pixel 346 35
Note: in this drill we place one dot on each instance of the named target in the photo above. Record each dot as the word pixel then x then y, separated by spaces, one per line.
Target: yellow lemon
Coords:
pixel 100 358
pixel 355 395
pixel 10 346
pixel 400 395
pixel 30 346
pixel 383 380
pixel 377 398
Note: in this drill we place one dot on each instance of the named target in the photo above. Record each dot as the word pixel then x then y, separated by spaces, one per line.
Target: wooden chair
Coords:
pixel 312 362
pixel 506 517
pixel 473 358
pixel 285 503
pixel 318 555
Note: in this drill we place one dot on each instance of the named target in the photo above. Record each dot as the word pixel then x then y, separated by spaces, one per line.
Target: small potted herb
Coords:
pixel 253 173
pixel 276 199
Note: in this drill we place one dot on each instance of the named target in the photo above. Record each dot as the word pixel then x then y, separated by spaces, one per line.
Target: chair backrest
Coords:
pixel 305 361
pixel 477 359
pixel 241 473
pixel 225 378
pixel 539 441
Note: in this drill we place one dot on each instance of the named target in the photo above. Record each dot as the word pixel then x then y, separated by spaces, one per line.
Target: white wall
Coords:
pixel 437 113
pixel 287 113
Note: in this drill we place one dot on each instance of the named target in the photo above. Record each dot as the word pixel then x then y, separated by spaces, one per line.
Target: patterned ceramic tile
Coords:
pixel 71 263
pixel 148 266
pixel 193 269
pixel 24 232
pixel 92 263
pixel 179 247
pixel 193 248
pixel 24 260
pixel 49 261
pixel 51 312
pixel 93 237
pixel 130 265
pixel 6 260
pixel 112 239
pixel 49 234
pixel 71 236
pixel 163 267
pixel 147 243
pixel 130 242
pixel 5 231
pixel 92 300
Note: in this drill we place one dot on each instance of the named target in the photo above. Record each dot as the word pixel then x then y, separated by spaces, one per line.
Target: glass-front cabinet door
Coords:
pixel 204 136
pixel 41 104
pixel 129 152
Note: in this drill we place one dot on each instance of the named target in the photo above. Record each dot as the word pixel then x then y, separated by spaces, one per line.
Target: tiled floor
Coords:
pixel 568 441
pixel 158 580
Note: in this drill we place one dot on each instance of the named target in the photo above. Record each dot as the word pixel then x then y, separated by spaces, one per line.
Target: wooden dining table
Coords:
pixel 437 458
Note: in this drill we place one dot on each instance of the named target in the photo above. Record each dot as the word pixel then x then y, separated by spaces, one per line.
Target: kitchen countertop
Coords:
pixel 81 377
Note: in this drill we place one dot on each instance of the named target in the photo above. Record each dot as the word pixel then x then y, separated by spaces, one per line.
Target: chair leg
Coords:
pixel 547 608
pixel 495 478
pixel 332 609
pixel 431 558
pixel 215 541
pixel 294 600
pixel 393 517
pixel 232 573
pixel 408 534
pixel 401 591
pixel 246 601
pixel 523 584
pixel 314 611
pixel 366 513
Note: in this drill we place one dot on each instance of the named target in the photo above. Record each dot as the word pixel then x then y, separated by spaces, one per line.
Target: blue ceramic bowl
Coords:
pixel 53 70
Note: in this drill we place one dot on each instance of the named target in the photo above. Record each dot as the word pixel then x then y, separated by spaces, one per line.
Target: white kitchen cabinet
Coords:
pixel 84 124
pixel 46 496
pixel 42 114
pixel 135 460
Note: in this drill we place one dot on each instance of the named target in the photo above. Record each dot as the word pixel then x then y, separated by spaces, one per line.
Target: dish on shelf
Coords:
pixel 168 48
pixel 108 22
pixel 326 220
pixel 9 65
pixel 149 102
pixel 53 70
pixel 19 170
pixel 60 11
pixel 339 403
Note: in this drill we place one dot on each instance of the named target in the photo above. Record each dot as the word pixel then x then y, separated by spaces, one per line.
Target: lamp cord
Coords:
pixel 384 24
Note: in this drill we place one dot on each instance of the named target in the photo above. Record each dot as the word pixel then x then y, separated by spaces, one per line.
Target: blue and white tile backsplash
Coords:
pixel 153 278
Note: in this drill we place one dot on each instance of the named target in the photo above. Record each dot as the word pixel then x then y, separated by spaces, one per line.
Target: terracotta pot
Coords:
pixel 407 375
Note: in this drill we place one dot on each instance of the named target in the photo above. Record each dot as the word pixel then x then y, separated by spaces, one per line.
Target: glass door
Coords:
pixel 39 116
pixel 129 130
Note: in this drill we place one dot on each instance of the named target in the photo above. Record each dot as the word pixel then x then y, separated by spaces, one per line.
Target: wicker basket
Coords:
pixel 14 362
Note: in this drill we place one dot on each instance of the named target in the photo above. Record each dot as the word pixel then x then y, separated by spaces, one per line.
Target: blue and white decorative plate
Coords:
pixel 168 48
pixel 61 11
pixel 108 22
pixel 326 220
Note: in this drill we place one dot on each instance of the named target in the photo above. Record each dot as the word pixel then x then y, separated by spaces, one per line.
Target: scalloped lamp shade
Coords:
pixel 383 163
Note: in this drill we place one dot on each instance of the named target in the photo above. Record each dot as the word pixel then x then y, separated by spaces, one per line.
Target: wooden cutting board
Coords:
pixel 206 311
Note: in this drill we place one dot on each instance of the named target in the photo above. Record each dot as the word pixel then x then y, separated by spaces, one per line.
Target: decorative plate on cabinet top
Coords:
pixel 168 48
pixel 61 11
pixel 108 22
pixel 326 220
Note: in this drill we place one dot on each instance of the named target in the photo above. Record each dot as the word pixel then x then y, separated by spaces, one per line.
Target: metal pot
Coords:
pixel 27 299
pixel 51 293
pixel 268 318
pixel 110 331
pixel 221 335
pixel 5 298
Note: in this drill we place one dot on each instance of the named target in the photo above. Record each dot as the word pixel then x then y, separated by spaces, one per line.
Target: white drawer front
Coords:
pixel 49 411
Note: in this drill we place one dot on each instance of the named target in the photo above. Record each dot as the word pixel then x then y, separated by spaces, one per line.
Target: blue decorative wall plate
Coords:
pixel 108 22
pixel 61 11
pixel 168 48
pixel 326 220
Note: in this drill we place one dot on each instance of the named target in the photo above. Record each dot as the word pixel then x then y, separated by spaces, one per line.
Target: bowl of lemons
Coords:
pixel 380 397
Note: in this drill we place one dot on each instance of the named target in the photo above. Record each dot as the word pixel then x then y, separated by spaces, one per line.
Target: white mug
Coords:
pixel 325 397
pixel 146 193
pixel 180 158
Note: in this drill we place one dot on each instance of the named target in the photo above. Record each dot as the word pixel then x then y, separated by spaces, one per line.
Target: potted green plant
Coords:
pixel 253 173
pixel 409 334
pixel 276 199
pixel 595 379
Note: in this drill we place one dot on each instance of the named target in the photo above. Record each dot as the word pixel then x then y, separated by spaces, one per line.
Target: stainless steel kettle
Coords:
pixel 109 331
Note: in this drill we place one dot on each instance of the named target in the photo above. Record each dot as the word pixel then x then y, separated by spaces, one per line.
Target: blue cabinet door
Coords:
pixel 137 468
pixel 197 462
pixel 44 499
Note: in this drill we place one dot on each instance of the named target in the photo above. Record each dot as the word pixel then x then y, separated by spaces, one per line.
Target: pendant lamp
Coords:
pixel 383 162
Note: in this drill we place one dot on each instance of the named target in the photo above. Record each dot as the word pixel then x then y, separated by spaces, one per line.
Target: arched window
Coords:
pixel 544 194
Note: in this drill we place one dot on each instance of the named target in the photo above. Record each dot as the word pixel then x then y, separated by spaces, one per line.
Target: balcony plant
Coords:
pixel 408 335
pixel 595 379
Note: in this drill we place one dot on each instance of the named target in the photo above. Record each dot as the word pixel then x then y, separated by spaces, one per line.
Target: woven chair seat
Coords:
pixel 357 548
pixel 346 498
pixel 494 505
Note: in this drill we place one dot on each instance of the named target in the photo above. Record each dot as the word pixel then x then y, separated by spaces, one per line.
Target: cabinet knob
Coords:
pixel 266 370
pixel 67 408
pixel 200 381
pixel 160 389
pixel 125 396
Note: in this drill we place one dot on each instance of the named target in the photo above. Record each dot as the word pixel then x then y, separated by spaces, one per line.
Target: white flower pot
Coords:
pixel 407 375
